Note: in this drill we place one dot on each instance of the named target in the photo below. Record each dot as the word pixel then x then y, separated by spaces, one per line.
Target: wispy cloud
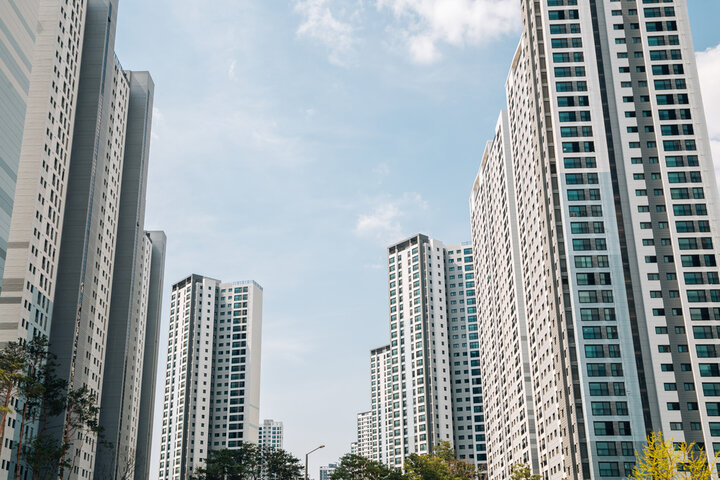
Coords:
pixel 321 24
pixel 708 63
pixel 425 24
pixel 385 222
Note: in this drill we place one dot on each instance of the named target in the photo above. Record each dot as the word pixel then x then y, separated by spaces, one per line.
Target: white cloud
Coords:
pixel 321 24
pixel 384 222
pixel 426 23
pixel 708 63
pixel 231 70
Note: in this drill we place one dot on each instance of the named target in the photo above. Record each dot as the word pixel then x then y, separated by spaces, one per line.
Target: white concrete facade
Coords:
pixel 464 355
pixel 421 402
pixel 365 435
pixel 380 403
pixel 507 390
pixel 271 434
pixel 49 91
pixel 610 185
pixel 212 385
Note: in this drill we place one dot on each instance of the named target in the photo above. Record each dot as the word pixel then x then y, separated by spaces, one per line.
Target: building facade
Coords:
pixel 212 382
pixel 467 395
pixel 130 295
pixel 270 434
pixel 364 434
pixel 425 385
pixel 39 75
pixel 420 374
pixel 151 342
pixel 326 471
pixel 76 119
pixel 380 403
pixel 17 42
pixel 507 389
pixel 611 182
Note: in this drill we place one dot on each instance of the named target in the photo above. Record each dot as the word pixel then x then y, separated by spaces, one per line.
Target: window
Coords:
pixel 609 469
pixel 606 449
pixel 603 428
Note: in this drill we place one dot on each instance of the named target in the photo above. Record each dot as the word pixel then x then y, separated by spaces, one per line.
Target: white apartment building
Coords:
pixel 509 416
pixel 426 385
pixel 380 403
pixel 420 371
pixel 326 471
pixel 40 80
pixel 464 355
pixel 270 434
pixel 365 434
pixel 613 194
pixel 212 382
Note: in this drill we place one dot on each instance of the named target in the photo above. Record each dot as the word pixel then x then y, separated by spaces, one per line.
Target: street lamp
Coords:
pixel 306 459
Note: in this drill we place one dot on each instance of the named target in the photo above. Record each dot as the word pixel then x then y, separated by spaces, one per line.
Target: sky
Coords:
pixel 294 141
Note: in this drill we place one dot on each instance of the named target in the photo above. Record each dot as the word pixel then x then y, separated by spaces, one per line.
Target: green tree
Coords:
pixel 40 374
pixel 27 372
pixel 280 465
pixel 663 460
pixel 357 467
pixel 439 465
pixel 521 471
pixel 12 372
pixel 249 462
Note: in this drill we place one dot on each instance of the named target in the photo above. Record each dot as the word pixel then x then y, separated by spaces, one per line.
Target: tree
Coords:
pixel 34 386
pixel 663 460
pixel 81 417
pixel 521 471
pixel 280 465
pixel 12 368
pixel 357 467
pixel 249 462
pixel 440 465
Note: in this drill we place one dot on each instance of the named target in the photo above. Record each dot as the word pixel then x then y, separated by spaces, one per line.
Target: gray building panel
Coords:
pixel 87 158
pixel 127 279
pixel 81 316
pixel 152 344
pixel 16 48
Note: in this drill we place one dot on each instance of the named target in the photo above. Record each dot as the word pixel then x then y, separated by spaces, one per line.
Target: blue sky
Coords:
pixel 293 141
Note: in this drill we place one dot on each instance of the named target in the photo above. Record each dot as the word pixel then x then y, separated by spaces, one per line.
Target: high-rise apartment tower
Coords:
pixel 364 434
pixel 434 392
pixel 212 380
pixel 380 403
pixel 611 190
pixel 270 434
pixel 39 74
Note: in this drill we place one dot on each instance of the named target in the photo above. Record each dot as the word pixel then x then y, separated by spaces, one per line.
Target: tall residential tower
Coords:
pixel 426 385
pixel 270 434
pixel 212 380
pixel 610 183
pixel 39 75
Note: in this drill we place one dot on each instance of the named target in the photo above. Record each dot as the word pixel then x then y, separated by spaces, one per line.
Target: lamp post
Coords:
pixel 306 459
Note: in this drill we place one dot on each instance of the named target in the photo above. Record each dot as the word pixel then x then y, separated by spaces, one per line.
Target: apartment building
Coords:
pixel 425 385
pixel 270 434
pixel 364 434
pixel 380 403
pixel 609 182
pixel 212 376
pixel 39 86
